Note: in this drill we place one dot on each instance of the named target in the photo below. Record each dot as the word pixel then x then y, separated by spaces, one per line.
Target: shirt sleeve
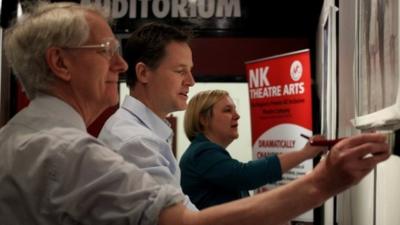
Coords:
pixel 156 158
pixel 215 165
pixel 90 184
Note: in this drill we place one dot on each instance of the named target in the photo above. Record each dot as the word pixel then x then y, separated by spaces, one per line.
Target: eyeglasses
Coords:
pixel 109 47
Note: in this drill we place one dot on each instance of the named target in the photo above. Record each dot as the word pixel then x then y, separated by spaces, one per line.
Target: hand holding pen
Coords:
pixel 350 160
pixel 325 142
pixel 312 148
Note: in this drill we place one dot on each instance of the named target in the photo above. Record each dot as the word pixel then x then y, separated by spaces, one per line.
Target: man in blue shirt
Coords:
pixel 159 77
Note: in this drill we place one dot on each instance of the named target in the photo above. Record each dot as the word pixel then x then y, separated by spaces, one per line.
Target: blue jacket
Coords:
pixel 210 176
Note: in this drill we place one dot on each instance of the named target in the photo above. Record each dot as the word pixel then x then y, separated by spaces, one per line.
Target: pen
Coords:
pixel 328 143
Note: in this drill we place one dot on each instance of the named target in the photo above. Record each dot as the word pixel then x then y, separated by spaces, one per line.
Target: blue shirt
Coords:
pixel 210 176
pixel 144 139
pixel 53 172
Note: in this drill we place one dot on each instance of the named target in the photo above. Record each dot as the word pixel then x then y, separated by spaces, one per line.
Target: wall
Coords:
pixel 223 57
pixel 376 200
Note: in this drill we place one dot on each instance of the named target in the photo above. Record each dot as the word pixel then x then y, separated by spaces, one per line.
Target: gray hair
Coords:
pixel 45 25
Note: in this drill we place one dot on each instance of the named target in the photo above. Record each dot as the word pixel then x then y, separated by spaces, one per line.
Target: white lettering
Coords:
pixel 119 8
pixel 144 9
pixel 293 89
pixel 161 8
pixel 229 7
pixel 193 8
pixel 178 9
pixel 206 10
pixel 253 79
pixel 175 8
pixel 259 78
pixel 132 9
pixel 265 92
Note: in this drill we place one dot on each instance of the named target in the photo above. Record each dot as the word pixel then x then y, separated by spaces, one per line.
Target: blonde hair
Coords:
pixel 200 106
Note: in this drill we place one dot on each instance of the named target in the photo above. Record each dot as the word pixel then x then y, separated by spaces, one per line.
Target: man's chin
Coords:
pixel 112 102
pixel 181 107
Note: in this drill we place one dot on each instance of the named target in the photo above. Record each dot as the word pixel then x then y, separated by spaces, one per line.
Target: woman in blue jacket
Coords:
pixel 210 176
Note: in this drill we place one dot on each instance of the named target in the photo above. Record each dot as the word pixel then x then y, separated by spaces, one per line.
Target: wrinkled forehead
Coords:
pixel 99 27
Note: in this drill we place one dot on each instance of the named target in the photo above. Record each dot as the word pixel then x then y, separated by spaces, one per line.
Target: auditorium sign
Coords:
pixel 170 8
pixel 212 16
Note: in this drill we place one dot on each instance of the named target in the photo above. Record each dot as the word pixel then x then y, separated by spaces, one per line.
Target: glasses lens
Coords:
pixel 109 47
pixel 112 47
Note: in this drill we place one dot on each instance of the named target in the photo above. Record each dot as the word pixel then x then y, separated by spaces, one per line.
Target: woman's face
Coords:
pixel 222 127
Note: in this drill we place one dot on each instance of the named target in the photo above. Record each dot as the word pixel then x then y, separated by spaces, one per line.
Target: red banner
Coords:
pixel 281 110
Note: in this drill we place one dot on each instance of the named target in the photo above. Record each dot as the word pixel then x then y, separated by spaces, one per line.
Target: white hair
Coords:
pixel 45 25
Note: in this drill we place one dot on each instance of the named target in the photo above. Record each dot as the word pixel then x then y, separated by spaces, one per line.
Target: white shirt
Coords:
pixel 53 172
pixel 144 139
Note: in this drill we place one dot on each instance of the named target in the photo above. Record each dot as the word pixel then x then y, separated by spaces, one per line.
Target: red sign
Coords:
pixel 281 110
pixel 280 92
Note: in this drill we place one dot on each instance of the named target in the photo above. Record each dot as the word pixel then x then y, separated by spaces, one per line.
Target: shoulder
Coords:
pixel 197 150
pixel 61 144
pixel 73 140
pixel 199 146
pixel 133 140
pixel 122 120
pixel 122 128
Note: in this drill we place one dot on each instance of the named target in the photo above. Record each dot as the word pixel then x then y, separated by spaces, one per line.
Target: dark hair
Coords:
pixel 147 45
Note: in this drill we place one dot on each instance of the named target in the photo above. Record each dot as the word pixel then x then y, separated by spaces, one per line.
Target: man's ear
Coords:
pixel 55 58
pixel 142 72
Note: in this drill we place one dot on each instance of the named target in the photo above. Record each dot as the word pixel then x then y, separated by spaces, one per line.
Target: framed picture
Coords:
pixel 377 72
